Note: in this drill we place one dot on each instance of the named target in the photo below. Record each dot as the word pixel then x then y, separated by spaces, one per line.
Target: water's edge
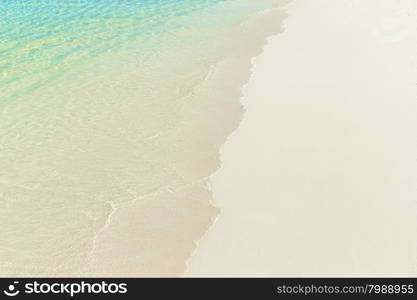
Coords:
pixel 215 115
pixel 268 23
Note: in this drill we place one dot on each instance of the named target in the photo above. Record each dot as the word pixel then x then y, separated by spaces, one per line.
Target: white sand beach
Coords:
pixel 320 178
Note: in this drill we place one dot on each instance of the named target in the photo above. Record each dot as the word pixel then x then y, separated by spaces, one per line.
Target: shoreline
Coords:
pixel 320 178
pixel 213 113
pixel 275 16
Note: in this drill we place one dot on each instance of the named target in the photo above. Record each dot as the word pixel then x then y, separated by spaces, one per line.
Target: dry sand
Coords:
pixel 320 179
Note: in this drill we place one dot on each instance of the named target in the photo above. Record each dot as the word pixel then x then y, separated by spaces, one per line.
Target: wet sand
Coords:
pixel 155 234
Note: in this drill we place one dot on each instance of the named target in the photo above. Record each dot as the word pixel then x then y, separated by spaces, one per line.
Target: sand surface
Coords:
pixel 320 179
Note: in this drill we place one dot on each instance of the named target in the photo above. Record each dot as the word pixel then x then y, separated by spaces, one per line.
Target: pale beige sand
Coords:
pixel 320 179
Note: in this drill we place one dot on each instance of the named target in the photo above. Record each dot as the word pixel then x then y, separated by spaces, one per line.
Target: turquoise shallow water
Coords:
pixel 111 117
pixel 42 39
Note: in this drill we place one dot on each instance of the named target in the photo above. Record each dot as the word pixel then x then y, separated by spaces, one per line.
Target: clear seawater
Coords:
pixel 41 40
pixel 92 101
